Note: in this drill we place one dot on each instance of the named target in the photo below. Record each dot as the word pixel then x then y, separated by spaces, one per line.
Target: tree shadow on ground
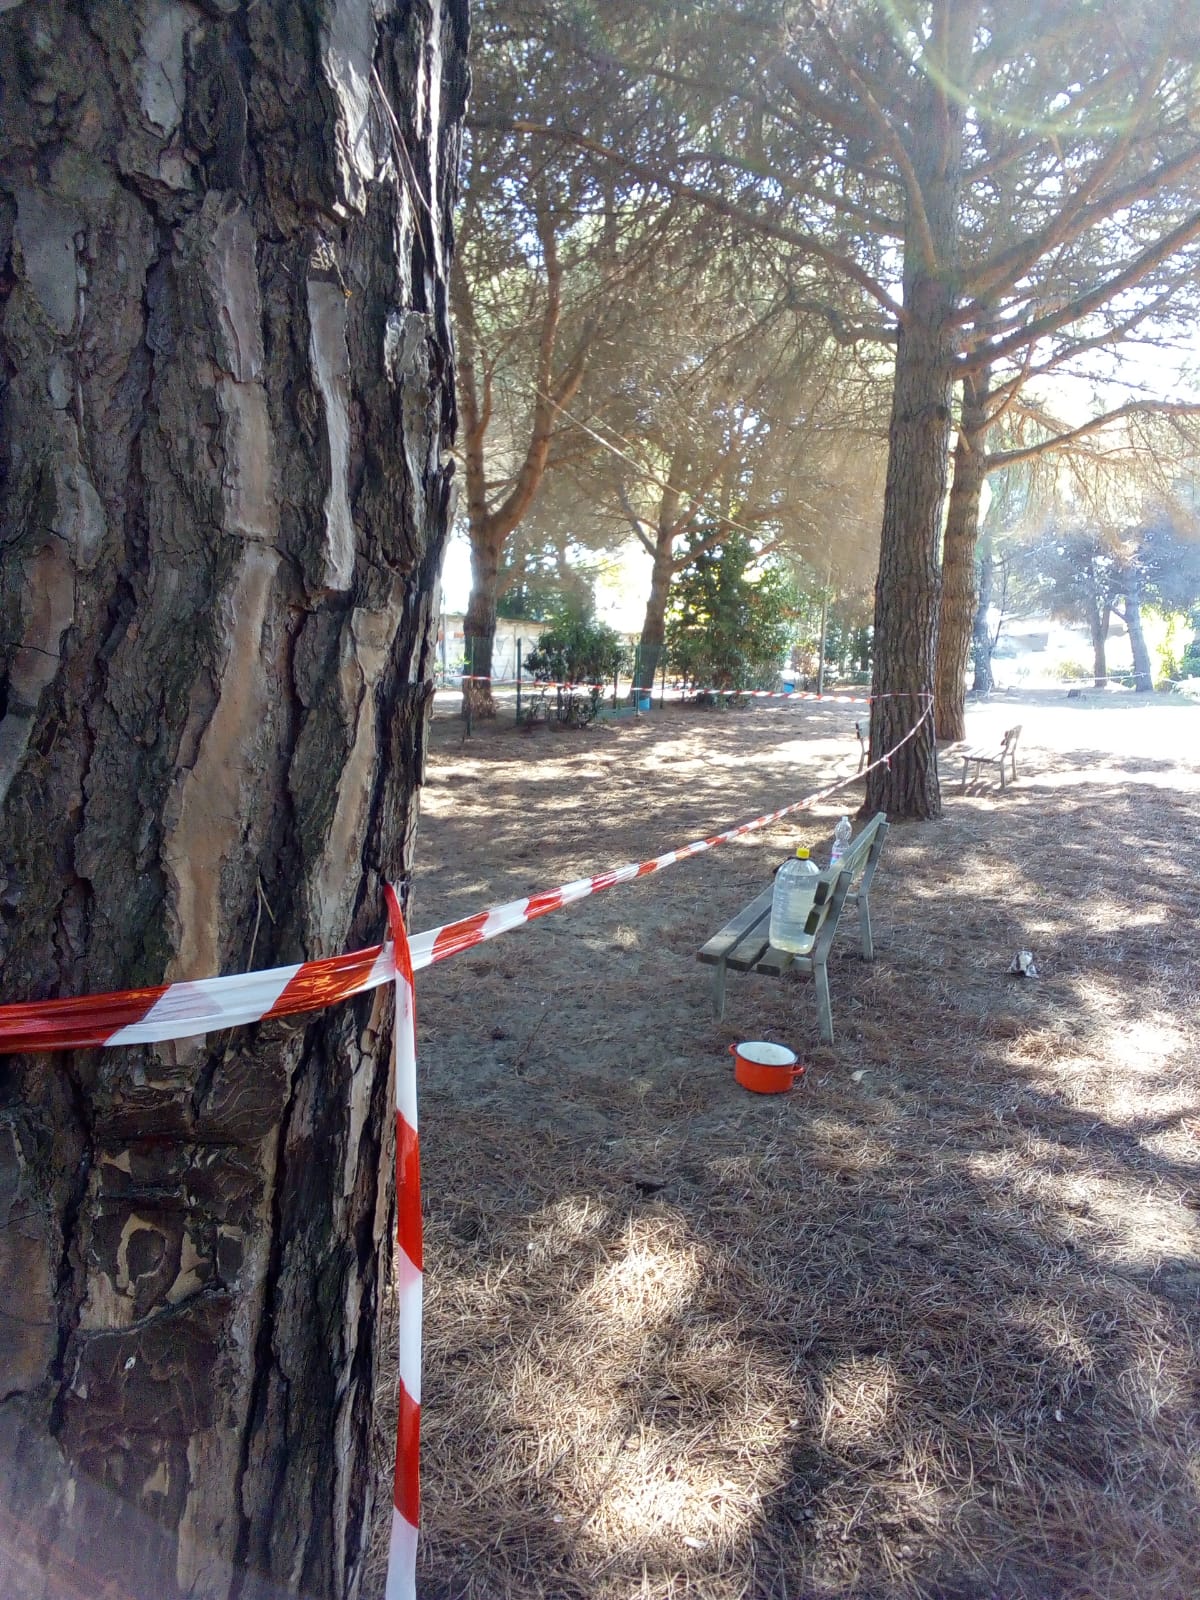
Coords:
pixel 928 1333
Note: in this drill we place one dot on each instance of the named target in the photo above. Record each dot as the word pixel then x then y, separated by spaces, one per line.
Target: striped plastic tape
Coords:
pixel 205 1005
pixel 406 1495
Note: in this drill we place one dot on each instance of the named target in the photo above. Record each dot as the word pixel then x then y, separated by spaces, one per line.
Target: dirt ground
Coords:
pixel 925 1326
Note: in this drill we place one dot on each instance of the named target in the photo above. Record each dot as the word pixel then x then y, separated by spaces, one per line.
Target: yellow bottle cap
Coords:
pixel 802 851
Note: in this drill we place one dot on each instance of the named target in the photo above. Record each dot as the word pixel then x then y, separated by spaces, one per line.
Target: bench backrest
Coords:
pixel 1008 744
pixel 863 851
pixel 856 864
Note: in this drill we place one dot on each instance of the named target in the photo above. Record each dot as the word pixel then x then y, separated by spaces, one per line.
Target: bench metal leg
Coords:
pixel 963 789
pixel 864 927
pixel 718 990
pixel 824 1009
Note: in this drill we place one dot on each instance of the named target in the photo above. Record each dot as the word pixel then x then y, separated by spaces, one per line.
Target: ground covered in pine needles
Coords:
pixel 926 1326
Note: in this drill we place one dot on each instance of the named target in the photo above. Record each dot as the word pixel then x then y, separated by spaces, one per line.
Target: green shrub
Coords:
pixel 575 651
pixel 732 619
pixel 1067 670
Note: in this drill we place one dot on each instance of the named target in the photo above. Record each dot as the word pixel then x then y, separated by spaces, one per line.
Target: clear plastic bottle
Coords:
pixel 841 838
pixel 791 901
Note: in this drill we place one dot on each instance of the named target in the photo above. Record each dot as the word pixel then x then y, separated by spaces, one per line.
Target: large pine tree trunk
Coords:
pixel 957 610
pixel 906 590
pixel 225 373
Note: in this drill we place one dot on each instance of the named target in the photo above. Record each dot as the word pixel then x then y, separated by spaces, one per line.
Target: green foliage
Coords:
pixel 1071 671
pixel 1166 635
pixel 1189 662
pixel 576 650
pixel 849 644
pixel 537 580
pixel 733 619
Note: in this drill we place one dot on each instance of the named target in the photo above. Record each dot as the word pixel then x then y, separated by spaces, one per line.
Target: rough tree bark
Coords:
pixel 956 612
pixel 906 590
pixel 226 401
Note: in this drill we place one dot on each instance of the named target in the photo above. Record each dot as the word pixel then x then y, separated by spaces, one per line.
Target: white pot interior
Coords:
pixel 767 1055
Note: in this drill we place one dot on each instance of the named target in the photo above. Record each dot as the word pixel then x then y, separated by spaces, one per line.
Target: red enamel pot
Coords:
pixel 765 1068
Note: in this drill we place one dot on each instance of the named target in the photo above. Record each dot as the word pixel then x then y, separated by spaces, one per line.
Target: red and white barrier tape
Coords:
pixel 533 685
pixel 206 1005
pixel 789 694
pixel 519 683
pixel 185 1010
pixel 406 1493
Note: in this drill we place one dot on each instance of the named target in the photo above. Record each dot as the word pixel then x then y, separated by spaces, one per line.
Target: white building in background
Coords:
pixel 511 633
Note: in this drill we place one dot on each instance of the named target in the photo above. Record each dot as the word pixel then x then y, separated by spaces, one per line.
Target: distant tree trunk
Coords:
pixel 479 625
pixel 663 569
pixel 906 590
pixel 654 624
pixel 957 610
pixel 981 636
pixel 489 527
pixel 226 387
pixel 1097 620
pixel 1143 672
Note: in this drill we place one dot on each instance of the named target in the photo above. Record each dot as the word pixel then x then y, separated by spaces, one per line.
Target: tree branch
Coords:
pixel 808 243
pixel 1131 408
pixel 1084 304
pixel 883 125
pixel 1073 220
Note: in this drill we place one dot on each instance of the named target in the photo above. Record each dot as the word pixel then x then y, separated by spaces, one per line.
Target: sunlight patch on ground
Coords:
pixel 1154 1384
pixel 1125 1223
pixel 645 1285
pixel 1173 779
pixel 1053 1325
pixel 558 1228
pixel 1144 1048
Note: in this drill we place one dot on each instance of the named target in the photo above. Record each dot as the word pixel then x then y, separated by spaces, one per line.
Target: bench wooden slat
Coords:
pixel 736 928
pixel 749 952
pixel 776 962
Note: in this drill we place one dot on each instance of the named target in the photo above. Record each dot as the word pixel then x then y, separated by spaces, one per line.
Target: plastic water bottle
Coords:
pixel 791 901
pixel 841 838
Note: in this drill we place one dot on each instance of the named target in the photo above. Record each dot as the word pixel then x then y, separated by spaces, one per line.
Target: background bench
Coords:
pixel 989 756
pixel 744 945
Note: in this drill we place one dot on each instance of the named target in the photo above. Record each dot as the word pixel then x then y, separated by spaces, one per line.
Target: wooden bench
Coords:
pixel 989 756
pixel 743 944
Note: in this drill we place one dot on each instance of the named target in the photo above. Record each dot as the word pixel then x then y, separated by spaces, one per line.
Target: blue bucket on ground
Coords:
pixel 644 703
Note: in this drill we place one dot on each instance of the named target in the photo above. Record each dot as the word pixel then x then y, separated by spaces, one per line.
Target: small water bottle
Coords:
pixel 841 838
pixel 791 901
